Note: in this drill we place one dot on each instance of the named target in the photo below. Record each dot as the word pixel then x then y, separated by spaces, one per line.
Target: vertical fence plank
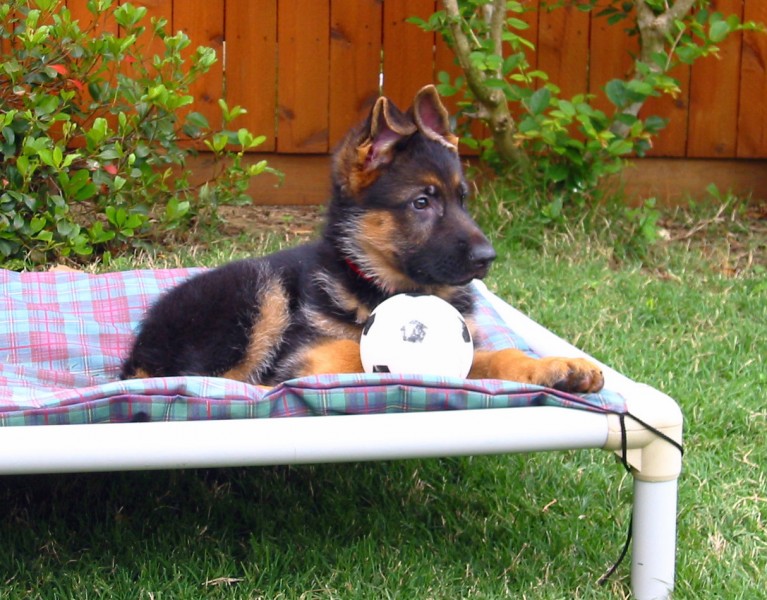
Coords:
pixel 752 117
pixel 612 51
pixel 251 65
pixel 203 22
pixel 672 141
pixel 532 33
pixel 714 91
pixel 355 62
pixel 444 60
pixel 563 48
pixel 408 57
pixel 303 32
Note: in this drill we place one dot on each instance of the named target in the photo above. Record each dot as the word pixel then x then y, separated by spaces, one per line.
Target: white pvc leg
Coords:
pixel 654 543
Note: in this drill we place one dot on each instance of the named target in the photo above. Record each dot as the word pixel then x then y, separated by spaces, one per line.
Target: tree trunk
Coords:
pixel 493 107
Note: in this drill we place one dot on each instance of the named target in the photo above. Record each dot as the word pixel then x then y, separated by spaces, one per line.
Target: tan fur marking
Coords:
pixel 361 178
pixel 376 237
pixel 457 180
pixel 140 374
pixel 431 179
pixel 332 356
pixel 570 374
pixel 378 230
pixel 350 165
pixel 272 320
pixel 380 227
pixel 333 327
pixel 447 293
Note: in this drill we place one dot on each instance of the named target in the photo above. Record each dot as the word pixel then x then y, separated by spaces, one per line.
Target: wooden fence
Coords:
pixel 308 69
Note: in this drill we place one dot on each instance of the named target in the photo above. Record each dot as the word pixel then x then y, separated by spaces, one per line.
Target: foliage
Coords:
pixel 95 135
pixel 566 145
pixel 508 211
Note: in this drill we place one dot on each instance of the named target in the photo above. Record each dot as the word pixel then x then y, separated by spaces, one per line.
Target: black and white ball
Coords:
pixel 416 334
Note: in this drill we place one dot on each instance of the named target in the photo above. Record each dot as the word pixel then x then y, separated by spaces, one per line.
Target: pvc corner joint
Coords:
pixel 651 457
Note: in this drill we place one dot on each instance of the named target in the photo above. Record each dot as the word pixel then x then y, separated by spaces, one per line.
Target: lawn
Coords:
pixel 691 321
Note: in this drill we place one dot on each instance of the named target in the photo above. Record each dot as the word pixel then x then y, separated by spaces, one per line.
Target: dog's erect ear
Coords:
pixel 388 125
pixel 431 117
pixel 360 158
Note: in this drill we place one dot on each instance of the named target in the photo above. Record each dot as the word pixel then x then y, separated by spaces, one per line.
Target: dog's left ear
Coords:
pixel 388 125
pixel 432 119
pixel 367 149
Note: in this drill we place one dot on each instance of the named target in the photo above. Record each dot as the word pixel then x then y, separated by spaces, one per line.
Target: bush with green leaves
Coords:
pixel 564 147
pixel 95 136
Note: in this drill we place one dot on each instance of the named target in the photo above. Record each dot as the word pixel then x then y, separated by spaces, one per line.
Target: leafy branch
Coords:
pixel 567 142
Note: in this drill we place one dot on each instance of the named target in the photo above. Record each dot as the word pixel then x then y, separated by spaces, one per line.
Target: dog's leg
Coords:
pixel 566 374
pixel 331 356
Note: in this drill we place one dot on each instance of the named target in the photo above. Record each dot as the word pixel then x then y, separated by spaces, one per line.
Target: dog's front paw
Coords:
pixel 566 374
pixel 570 374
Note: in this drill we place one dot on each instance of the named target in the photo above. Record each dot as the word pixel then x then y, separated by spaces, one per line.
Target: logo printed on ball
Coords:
pixel 414 331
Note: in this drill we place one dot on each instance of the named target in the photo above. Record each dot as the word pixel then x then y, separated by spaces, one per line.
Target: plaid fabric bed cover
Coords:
pixel 63 336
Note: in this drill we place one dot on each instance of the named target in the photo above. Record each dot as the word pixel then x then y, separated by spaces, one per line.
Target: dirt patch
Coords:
pixel 287 222
pixel 733 239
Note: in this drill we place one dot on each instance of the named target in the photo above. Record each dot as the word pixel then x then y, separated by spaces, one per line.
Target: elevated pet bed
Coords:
pixel 63 335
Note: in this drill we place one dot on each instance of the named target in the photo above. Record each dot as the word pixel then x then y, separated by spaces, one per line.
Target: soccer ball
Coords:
pixel 416 334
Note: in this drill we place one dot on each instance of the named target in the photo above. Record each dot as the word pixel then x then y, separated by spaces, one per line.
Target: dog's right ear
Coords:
pixel 432 119
pixel 367 149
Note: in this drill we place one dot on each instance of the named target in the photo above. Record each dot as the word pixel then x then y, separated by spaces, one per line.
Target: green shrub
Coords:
pixel 95 136
pixel 561 147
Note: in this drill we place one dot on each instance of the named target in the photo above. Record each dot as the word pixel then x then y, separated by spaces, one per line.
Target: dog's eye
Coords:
pixel 421 203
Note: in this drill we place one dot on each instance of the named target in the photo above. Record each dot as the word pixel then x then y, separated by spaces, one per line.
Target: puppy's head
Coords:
pixel 399 200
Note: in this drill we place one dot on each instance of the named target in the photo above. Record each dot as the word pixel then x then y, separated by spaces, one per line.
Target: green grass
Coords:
pixel 538 526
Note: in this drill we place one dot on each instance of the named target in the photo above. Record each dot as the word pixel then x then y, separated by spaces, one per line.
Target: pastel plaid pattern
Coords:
pixel 63 336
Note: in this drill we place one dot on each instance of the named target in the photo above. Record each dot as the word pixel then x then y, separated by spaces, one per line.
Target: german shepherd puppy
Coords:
pixel 396 222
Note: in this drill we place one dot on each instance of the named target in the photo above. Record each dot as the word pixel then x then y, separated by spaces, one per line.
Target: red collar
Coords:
pixel 359 272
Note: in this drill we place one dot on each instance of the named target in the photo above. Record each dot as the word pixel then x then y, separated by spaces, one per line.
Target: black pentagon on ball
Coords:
pixel 466 334
pixel 368 324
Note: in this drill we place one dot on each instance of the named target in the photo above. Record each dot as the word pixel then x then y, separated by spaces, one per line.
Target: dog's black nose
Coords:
pixel 482 256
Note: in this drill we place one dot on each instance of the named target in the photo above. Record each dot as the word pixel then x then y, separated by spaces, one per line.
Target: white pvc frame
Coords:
pixel 656 464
